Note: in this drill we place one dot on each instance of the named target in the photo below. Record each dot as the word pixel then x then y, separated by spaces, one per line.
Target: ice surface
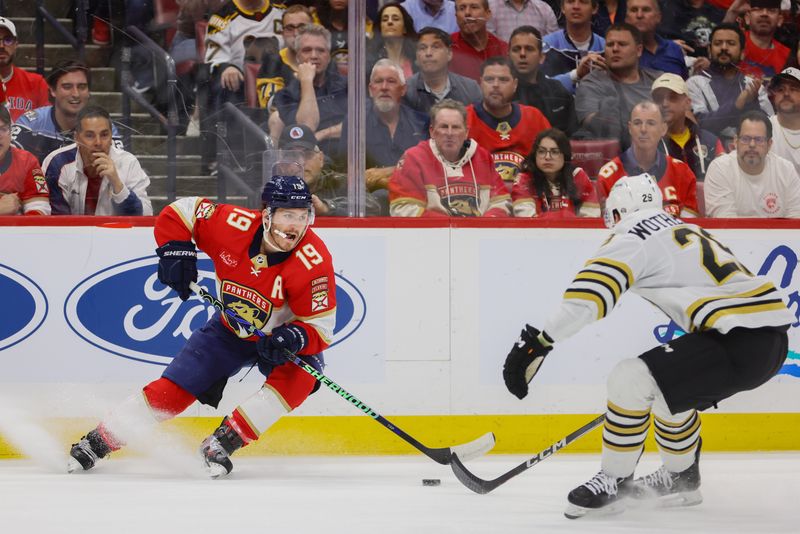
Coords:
pixel 743 493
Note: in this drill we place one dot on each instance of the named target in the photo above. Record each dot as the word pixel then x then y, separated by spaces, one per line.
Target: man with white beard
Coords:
pixel 391 128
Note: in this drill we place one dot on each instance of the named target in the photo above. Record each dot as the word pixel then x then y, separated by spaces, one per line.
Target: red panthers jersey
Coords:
pixel 677 183
pixel 23 92
pixel 20 173
pixel 268 290
pixel 509 140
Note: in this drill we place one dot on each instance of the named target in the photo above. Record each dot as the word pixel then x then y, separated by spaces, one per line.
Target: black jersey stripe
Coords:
pixel 741 309
pixel 591 296
pixel 695 308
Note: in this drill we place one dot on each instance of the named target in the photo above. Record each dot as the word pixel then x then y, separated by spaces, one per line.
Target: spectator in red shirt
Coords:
pixel 549 185
pixel 23 188
pixel 473 43
pixel 763 54
pixel 676 180
pixel 20 90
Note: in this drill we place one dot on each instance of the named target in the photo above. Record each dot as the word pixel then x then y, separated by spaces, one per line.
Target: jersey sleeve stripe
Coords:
pixel 695 308
pixel 618 266
pixel 590 296
pixel 741 309
pixel 605 279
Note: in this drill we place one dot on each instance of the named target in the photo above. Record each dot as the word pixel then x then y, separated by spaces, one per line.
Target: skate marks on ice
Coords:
pixel 744 493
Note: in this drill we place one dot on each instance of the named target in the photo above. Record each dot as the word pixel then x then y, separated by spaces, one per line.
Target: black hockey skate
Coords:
pixel 85 454
pixel 602 495
pixel 672 489
pixel 217 448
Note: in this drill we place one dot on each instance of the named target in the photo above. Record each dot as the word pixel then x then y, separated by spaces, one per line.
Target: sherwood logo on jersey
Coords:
pixel 126 311
pixel 28 311
pixel 771 268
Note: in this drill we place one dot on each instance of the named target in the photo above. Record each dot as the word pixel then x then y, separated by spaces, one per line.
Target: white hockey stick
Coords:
pixel 443 455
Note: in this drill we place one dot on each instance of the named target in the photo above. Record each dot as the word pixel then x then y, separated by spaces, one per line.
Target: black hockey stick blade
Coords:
pixel 465 451
pixel 478 485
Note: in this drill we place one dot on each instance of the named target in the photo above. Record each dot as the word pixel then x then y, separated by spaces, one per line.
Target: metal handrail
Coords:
pixel 171 121
pixel 81 29
pixel 224 172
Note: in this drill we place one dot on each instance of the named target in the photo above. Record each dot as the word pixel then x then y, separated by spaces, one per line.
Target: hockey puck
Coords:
pixel 431 481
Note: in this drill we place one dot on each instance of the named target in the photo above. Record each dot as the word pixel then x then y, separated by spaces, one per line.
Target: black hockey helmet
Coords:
pixel 286 192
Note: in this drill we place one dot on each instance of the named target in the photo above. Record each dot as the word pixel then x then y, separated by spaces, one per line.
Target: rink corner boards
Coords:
pixel 516 434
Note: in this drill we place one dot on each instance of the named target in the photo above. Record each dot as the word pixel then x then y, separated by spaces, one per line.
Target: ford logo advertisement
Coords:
pixel 26 307
pixel 126 311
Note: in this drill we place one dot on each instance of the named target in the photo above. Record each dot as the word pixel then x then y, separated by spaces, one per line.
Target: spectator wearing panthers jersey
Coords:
pixel 676 180
pixel 277 70
pixel 23 188
pixel 533 87
pixel 434 82
pixel 473 43
pixel 46 129
pixel 93 177
pixel 20 90
pixel 685 140
pixel 449 174
pixel 549 186
pixel 500 125
pixel 752 181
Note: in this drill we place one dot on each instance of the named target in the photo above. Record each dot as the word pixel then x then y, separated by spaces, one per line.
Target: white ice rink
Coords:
pixel 377 495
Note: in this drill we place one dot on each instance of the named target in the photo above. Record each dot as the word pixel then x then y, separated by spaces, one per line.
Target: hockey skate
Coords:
pixel 217 448
pixel 602 495
pixel 85 454
pixel 671 489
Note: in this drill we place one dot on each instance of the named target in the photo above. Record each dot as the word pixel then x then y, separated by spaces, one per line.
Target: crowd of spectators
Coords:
pixel 475 108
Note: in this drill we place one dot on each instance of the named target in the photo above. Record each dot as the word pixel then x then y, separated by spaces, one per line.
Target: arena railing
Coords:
pixel 77 41
pixel 233 116
pixel 170 122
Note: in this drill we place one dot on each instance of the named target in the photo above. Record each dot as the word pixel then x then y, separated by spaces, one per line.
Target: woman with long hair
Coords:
pixel 394 38
pixel 549 186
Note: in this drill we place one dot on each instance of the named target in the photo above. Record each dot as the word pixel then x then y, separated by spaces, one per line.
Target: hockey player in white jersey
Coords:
pixel 736 340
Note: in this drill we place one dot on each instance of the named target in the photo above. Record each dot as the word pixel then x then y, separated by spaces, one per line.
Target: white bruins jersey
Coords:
pixel 680 268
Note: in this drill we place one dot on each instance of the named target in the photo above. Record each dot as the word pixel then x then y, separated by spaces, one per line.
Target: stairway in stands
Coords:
pixel 149 140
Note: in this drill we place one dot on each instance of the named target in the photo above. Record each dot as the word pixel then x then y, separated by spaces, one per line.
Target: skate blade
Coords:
pixel 215 470
pixel 687 498
pixel 73 465
pixel 574 511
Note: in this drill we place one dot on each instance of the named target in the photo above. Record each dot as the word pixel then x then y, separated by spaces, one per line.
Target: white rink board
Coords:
pixel 434 312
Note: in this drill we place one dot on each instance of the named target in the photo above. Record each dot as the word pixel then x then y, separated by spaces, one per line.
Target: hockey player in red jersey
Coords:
pixel 736 340
pixel 274 271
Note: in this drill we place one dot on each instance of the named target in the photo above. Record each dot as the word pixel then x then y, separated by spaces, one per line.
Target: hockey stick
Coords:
pixel 478 485
pixel 466 451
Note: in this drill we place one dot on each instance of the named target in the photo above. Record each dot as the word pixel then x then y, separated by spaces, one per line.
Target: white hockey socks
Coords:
pixel 259 412
pixel 677 437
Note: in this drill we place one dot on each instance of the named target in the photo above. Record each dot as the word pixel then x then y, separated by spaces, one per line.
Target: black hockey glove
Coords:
pixel 273 349
pixel 177 266
pixel 524 360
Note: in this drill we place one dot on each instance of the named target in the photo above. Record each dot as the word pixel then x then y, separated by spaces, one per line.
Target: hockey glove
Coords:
pixel 524 360
pixel 177 266
pixel 273 349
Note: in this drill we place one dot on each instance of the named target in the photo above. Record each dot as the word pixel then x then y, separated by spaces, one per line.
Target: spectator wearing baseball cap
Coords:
pixel 328 188
pixel 685 140
pixel 20 90
pixel 784 92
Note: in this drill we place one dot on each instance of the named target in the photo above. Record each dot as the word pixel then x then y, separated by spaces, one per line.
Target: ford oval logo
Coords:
pixel 126 311
pixel 25 310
